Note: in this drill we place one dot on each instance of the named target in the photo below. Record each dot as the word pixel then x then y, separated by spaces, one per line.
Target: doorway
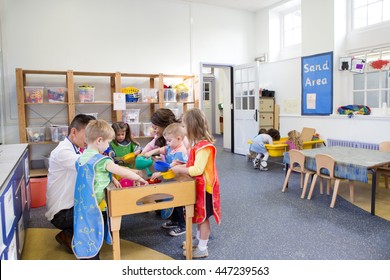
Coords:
pixel 216 101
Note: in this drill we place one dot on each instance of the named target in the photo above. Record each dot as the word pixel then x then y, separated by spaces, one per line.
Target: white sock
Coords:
pixel 202 244
pixel 198 235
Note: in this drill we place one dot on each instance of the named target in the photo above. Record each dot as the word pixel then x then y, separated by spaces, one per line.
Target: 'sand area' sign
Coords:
pixel 317 84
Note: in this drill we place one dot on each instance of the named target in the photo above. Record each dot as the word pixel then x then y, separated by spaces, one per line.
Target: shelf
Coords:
pixel 73 106
pixel 38 172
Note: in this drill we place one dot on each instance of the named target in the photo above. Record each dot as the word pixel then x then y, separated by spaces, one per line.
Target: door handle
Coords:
pixel 255 115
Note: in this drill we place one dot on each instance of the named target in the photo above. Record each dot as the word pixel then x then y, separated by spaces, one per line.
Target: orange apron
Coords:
pixel 200 182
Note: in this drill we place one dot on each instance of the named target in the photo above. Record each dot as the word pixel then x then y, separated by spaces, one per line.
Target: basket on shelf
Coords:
pixel 131 94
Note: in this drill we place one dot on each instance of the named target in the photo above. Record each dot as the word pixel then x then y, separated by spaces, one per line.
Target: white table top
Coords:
pixel 9 156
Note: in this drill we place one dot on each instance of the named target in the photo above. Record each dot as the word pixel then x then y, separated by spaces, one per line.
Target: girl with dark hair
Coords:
pixel 160 120
pixel 123 143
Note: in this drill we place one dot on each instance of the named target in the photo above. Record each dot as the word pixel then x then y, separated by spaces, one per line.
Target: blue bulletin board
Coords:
pixel 317 84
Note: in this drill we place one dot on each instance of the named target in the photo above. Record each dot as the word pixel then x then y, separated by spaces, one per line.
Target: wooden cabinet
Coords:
pixel 14 199
pixel 268 113
pixel 46 112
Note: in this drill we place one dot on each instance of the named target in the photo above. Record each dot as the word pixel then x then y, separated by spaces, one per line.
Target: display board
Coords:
pixel 317 84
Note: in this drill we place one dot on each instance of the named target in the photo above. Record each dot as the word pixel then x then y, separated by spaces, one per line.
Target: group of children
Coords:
pixel 259 151
pixel 187 146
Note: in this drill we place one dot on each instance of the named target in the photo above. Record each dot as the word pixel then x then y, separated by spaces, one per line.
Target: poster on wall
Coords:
pixel 317 84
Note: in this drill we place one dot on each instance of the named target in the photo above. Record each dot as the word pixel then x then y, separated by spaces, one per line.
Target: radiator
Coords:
pixel 352 144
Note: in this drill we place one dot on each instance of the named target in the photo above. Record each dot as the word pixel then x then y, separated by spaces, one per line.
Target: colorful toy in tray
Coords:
pixel 132 94
pixel 165 170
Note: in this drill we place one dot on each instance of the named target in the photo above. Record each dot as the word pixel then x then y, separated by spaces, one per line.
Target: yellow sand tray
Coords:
pixel 40 244
pixel 279 147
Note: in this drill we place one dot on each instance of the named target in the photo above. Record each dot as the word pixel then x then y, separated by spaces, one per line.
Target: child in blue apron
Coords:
pixel 174 153
pixel 94 174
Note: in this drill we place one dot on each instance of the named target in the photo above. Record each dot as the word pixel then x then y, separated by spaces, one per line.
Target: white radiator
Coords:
pixel 352 144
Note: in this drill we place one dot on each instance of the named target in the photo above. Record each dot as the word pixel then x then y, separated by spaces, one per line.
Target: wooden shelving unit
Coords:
pixel 71 105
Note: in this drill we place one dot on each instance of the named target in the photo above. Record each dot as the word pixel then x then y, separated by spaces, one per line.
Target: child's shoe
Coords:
pixel 197 253
pixel 169 225
pixel 256 163
pixel 263 166
pixel 177 231
pixel 194 243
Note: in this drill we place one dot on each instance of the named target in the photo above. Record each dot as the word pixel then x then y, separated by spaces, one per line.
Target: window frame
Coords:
pixel 366 26
pixel 383 87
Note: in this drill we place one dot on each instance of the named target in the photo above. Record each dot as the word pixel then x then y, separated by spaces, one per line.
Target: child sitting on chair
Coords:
pixel 258 146
pixel 294 140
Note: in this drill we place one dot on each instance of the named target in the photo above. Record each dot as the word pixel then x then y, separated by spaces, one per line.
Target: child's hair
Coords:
pixel 274 133
pixel 262 131
pixel 80 122
pixel 295 137
pixel 197 127
pixel 98 128
pixel 175 129
pixel 162 118
pixel 122 126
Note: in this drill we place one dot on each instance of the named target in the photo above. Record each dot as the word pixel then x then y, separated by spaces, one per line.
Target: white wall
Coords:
pixel 324 29
pixel 138 36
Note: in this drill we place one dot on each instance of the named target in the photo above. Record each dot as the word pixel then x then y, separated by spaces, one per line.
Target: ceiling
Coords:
pixel 248 5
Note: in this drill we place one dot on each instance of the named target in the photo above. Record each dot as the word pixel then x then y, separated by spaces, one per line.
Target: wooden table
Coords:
pixel 351 163
pixel 141 199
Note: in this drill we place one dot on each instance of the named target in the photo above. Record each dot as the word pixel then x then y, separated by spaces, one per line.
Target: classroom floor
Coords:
pixel 260 222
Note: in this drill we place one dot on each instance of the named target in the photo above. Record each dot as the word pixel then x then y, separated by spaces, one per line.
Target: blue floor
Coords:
pixel 261 222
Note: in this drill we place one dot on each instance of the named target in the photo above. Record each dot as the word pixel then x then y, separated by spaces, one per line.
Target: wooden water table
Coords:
pixel 126 201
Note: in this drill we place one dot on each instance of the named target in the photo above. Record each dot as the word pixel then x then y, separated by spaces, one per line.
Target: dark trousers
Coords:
pixel 178 217
pixel 64 221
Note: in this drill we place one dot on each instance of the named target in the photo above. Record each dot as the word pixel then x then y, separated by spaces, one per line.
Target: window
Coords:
pixel 372 87
pixel 292 28
pixel 285 31
pixel 369 12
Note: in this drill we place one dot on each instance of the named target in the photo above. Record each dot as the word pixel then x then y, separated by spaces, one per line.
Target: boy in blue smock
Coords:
pixel 94 174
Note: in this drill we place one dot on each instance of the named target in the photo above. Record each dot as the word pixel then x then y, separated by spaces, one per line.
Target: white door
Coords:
pixel 246 100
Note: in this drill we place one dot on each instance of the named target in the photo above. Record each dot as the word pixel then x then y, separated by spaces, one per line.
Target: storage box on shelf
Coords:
pixel 34 94
pixel 36 134
pixel 135 129
pixel 56 94
pixel 86 93
pixel 58 133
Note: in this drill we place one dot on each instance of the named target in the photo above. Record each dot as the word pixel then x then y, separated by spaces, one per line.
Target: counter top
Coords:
pixel 9 156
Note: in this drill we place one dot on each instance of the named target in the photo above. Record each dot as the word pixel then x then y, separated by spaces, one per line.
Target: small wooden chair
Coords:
pixel 297 164
pixel 326 162
pixel 384 147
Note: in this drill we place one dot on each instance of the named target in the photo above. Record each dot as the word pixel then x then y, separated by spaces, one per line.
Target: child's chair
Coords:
pixel 297 164
pixel 326 162
pixel 384 147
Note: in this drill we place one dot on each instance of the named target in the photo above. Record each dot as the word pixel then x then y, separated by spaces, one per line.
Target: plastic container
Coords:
pixel 58 133
pixel 36 134
pixel 33 94
pixel 149 94
pixel 131 116
pixel 86 93
pixel 135 129
pixel 147 129
pixel 183 96
pixel 38 192
pixel 131 98
pixel 56 94
pixel 169 95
